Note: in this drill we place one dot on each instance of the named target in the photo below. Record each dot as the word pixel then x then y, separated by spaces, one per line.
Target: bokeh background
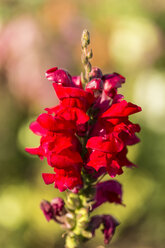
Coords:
pixel 127 36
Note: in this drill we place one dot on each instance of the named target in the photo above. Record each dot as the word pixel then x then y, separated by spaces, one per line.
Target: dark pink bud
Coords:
pixel 58 206
pixel 112 82
pixel 94 84
pixel 94 223
pixel 108 191
pixel 95 73
pixel 47 209
pixel 109 226
pixel 59 76
pixel 54 209
pixel 76 80
pixel 50 73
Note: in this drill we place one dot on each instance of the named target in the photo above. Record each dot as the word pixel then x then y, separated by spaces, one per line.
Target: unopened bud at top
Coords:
pixel 59 76
pixel 85 38
pixel 95 73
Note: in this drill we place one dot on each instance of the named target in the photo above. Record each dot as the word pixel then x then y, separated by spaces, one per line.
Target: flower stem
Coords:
pixel 79 206
pixel 71 241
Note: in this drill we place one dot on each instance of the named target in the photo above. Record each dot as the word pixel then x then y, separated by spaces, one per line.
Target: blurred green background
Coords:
pixel 127 36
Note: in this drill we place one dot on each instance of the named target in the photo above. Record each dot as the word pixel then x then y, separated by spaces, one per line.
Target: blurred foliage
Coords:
pixel 127 37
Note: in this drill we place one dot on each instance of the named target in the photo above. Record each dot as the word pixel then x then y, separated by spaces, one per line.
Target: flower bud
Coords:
pixel 86 234
pixel 84 59
pixel 95 73
pixel 76 80
pixel 74 201
pixel 82 218
pixel 111 83
pixel 58 206
pixel 89 67
pixel 96 85
pixel 70 219
pixel 108 191
pixel 109 226
pixel 50 73
pixel 47 210
pixel 90 54
pixel 85 38
pixel 71 241
pixel 59 76
pixel 53 209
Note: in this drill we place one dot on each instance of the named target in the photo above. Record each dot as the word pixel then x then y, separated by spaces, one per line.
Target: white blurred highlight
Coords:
pixel 150 94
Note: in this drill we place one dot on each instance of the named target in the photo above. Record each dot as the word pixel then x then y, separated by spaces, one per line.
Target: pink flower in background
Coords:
pixel 21 52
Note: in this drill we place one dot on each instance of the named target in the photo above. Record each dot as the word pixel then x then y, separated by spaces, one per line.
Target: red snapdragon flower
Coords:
pixel 106 127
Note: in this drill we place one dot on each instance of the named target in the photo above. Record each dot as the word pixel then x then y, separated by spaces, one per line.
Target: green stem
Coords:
pixel 71 241
pixel 79 205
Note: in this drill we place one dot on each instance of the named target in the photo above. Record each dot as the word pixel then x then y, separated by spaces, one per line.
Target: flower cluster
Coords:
pixel 85 137
pixel 112 131
pixel 60 128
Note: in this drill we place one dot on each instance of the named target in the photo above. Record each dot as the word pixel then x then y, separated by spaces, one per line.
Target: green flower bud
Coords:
pixel 90 54
pixel 85 38
pixel 70 218
pixel 89 67
pixel 74 201
pixel 71 241
pixel 86 234
pixel 84 59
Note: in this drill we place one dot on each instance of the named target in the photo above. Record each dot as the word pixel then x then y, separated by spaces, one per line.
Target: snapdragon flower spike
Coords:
pixel 84 138
pixel 108 135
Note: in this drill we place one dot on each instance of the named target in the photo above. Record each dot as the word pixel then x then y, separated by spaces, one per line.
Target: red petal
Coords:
pixel 65 159
pixel 37 129
pixel 53 124
pixel 68 179
pixel 74 114
pixel 48 178
pixel 114 168
pixel 121 109
pixel 50 73
pixel 97 160
pixel 36 151
pixel 70 92
pixel 111 145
